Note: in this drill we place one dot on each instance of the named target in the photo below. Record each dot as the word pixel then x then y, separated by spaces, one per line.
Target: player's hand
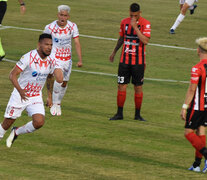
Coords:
pixel 23 94
pixel 49 102
pixel 183 114
pixel 134 23
pixel 22 9
pixel 79 64
pixel 111 58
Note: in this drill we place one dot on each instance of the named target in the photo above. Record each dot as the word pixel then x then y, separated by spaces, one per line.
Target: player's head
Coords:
pixel 45 45
pixel 134 11
pixel 63 15
pixel 202 45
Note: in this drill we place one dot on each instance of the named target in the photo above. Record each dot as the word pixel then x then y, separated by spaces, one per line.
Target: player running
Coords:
pixel 184 6
pixel 33 68
pixel 63 31
pixel 194 109
pixel 134 35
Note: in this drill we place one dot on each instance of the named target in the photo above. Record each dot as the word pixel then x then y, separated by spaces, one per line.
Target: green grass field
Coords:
pixel 83 143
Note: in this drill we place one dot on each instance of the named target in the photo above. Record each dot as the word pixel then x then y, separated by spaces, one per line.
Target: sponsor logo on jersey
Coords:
pixel 34 73
pixel 56 40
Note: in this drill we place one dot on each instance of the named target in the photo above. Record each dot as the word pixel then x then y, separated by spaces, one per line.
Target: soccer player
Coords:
pixel 194 109
pixel 63 31
pixel 3 8
pixel 33 68
pixel 134 35
pixel 184 5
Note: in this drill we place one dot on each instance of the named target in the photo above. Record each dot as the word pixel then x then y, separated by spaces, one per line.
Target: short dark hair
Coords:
pixel 43 36
pixel 134 7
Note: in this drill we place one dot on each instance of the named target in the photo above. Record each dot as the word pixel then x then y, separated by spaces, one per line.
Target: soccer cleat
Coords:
pixel 58 110
pixel 205 167
pixel 139 118
pixel 116 117
pixel 192 10
pixel 196 169
pixel 172 31
pixel 53 110
pixel 12 137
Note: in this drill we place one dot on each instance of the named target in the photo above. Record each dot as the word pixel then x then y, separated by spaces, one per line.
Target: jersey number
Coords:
pixel 120 79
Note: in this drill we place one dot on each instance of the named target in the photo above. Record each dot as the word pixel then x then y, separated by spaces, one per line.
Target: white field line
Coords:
pixel 114 75
pixel 98 37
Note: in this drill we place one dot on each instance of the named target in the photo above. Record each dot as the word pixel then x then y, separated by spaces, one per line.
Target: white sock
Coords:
pixel 191 7
pixel 56 93
pixel 178 21
pixel 62 93
pixel 2 132
pixel 27 128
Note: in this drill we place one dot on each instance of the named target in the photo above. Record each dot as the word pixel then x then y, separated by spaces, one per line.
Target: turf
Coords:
pixel 83 143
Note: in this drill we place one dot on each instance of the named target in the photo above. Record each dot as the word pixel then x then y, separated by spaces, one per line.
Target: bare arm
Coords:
pixel 141 36
pixel 189 96
pixel 13 77
pixel 118 45
pixel 22 6
pixel 78 50
pixel 50 82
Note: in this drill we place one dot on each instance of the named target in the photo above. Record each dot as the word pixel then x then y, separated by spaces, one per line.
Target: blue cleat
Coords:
pixel 196 169
pixel 205 167
pixel 172 31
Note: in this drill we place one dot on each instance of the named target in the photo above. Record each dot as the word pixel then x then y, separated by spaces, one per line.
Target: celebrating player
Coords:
pixel 184 5
pixel 194 110
pixel 33 69
pixel 62 32
pixel 134 35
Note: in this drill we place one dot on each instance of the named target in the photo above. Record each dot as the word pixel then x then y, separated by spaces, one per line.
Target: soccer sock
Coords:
pixel 195 141
pixel 197 162
pixel 138 102
pixel 62 93
pixel 2 132
pixel 27 128
pixel 178 21
pixel 2 53
pixel 121 97
pixel 203 139
pixel 56 93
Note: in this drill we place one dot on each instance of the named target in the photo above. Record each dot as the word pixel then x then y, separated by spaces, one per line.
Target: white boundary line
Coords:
pixel 98 37
pixel 114 75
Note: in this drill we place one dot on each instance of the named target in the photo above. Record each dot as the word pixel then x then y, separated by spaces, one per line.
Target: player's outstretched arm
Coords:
pixel 78 50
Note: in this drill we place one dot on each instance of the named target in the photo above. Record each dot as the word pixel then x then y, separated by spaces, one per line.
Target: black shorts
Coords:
pixel 126 71
pixel 194 119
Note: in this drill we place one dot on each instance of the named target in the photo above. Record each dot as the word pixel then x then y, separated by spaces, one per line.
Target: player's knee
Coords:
pixel 38 123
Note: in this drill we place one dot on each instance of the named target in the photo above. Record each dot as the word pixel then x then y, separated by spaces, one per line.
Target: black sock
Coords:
pixel 137 112
pixel 3 7
pixel 204 152
pixel 197 162
pixel 120 111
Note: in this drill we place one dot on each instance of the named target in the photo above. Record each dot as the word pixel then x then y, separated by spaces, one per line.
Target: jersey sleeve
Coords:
pixel 121 30
pixel 75 31
pixel 147 29
pixel 23 63
pixel 47 30
pixel 195 74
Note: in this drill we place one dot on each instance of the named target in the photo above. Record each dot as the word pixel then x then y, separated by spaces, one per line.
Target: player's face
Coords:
pixel 135 15
pixel 63 16
pixel 45 47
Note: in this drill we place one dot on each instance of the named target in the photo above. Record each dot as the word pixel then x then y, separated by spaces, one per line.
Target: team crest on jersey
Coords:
pixel 34 73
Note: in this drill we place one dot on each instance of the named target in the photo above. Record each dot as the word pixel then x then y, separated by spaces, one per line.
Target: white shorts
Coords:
pixel 66 67
pixel 15 106
pixel 189 2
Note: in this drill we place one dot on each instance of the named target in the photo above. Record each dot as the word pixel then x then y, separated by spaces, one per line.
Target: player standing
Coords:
pixel 184 6
pixel 134 35
pixel 62 32
pixel 194 109
pixel 33 68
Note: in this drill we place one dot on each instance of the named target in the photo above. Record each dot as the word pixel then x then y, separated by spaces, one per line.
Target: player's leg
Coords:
pixel 180 18
pixel 123 80
pixel 3 7
pixel 5 125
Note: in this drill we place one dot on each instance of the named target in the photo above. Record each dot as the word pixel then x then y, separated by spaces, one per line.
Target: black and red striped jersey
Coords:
pixel 198 76
pixel 133 51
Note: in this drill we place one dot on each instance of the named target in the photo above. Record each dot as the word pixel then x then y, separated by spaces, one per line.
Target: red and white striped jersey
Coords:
pixel 198 76
pixel 62 39
pixel 34 72
pixel 133 51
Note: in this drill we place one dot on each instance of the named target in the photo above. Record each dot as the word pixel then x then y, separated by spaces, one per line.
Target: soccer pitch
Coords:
pixel 83 143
